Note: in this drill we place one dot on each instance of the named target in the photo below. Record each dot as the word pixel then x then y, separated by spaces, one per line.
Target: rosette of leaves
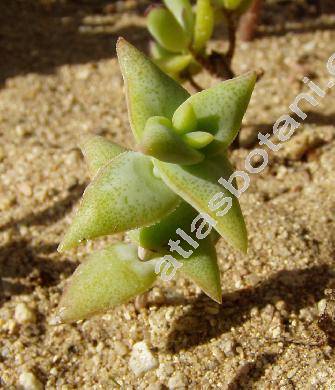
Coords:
pixel 150 193
pixel 181 34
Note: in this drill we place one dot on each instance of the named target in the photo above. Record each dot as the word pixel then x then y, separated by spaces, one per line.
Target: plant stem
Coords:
pixel 194 84
pixel 219 64
pixel 231 21
pixel 248 22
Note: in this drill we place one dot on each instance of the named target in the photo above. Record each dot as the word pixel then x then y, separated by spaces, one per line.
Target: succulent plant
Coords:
pixel 181 34
pixel 156 193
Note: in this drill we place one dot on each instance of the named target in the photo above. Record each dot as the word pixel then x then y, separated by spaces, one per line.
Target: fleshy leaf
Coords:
pixel 159 140
pixel 98 151
pixel 202 268
pixel 158 52
pixel 150 92
pixel 197 184
pixel 123 195
pixel 184 120
pixel 198 139
pixel 156 237
pixel 204 24
pixel 182 11
pixel 174 64
pixel 231 4
pixel 219 110
pixel 166 30
pixel 107 278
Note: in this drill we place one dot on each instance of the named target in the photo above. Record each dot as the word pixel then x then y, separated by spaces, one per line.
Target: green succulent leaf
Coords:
pixel 182 11
pixel 220 109
pixel 198 139
pixel 150 92
pixel 204 24
pixel 123 195
pixel 238 6
pixel 156 237
pixel 202 268
pixel 158 52
pixel 166 30
pixel 231 4
pixel 184 120
pixel 159 140
pixel 197 185
pixel 174 64
pixel 98 151
pixel 107 278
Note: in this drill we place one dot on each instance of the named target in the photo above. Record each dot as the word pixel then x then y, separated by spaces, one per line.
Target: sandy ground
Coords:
pixel 59 80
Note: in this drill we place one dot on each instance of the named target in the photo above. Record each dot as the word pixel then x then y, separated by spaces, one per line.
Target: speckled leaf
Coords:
pixel 182 11
pixel 123 195
pixel 150 92
pixel 156 237
pixel 166 30
pixel 220 109
pixel 204 24
pixel 98 151
pixel 107 278
pixel 202 268
pixel 159 140
pixel 197 184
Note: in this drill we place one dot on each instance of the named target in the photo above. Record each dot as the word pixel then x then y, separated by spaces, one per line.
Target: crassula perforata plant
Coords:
pixel 181 35
pixel 158 190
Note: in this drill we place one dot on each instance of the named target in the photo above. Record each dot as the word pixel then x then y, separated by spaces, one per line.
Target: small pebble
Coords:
pixel 142 359
pixel 120 348
pixel 177 381
pixel 228 347
pixel 23 314
pixel 155 386
pixel 322 306
pixel 29 381
pixel 26 189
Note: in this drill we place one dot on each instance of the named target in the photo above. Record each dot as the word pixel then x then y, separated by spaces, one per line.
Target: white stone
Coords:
pixel 23 314
pixel 142 359
pixel 322 306
pixel 276 332
pixel 29 381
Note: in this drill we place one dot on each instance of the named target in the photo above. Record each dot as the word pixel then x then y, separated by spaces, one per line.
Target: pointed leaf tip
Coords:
pixel 206 195
pixel 220 109
pixel 202 268
pixel 124 195
pixel 98 151
pixel 106 279
pixel 149 91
